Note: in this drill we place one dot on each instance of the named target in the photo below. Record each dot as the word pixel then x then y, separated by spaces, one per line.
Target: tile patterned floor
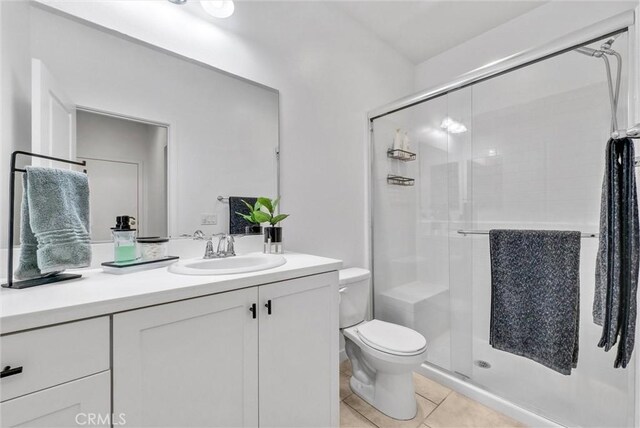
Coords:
pixel 438 407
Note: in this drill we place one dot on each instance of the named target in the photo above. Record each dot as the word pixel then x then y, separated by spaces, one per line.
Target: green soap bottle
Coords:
pixel 124 240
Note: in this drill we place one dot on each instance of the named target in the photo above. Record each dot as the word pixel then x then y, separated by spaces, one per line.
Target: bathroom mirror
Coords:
pixel 128 161
pixel 163 135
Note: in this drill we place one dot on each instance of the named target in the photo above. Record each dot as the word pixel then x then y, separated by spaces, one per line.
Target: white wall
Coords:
pixel 329 72
pixel 15 102
pixel 535 28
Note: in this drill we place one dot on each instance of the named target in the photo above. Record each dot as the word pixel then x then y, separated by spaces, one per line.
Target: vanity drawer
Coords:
pixel 50 356
pixel 83 402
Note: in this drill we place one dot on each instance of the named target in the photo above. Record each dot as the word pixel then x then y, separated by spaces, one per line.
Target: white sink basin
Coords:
pixel 230 265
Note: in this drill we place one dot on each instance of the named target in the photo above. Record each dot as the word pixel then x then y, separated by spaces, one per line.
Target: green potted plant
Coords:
pixel 272 233
pixel 255 217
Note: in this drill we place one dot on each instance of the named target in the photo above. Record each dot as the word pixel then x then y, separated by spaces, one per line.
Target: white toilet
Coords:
pixel 383 355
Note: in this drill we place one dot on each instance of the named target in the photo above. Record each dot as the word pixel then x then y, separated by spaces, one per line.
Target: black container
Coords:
pixel 273 234
pixel 253 229
pixel 273 240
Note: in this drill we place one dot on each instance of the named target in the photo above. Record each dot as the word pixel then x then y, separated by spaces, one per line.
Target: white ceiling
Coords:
pixel 417 30
pixel 422 29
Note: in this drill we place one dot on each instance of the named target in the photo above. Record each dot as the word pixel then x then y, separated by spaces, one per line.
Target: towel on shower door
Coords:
pixel 614 305
pixel 54 222
pixel 535 295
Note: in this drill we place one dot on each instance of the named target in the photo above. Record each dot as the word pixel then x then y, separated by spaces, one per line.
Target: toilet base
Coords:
pixel 382 379
pixel 392 394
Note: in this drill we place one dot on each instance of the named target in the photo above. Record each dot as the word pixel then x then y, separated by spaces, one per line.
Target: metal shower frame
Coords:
pixel 623 22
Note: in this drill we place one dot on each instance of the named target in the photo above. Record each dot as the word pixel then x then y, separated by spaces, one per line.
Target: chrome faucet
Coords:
pixel 225 247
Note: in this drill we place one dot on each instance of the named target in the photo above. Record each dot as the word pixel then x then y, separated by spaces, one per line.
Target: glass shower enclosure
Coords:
pixel 522 150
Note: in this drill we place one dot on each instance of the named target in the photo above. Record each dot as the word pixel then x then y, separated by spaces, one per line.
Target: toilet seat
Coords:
pixel 391 338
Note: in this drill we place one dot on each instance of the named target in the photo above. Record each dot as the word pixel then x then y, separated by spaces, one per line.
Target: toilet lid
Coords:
pixel 391 338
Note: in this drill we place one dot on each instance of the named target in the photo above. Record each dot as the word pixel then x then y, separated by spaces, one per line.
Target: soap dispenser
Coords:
pixel 124 239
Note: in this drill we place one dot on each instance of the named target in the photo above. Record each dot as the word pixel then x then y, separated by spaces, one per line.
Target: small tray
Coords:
pixel 137 266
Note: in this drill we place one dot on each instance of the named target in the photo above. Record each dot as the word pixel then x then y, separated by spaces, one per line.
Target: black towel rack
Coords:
pixel 12 193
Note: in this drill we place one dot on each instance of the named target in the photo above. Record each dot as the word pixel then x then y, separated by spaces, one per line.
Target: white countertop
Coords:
pixel 98 293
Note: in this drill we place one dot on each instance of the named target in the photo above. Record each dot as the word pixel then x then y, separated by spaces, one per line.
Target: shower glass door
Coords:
pixel 524 150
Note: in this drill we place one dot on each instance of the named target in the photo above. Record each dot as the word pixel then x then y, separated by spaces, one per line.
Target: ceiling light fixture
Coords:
pixel 218 8
pixel 452 126
pixel 178 1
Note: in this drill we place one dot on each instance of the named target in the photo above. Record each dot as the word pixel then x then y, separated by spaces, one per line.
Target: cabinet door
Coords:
pixel 83 402
pixel 299 352
pixel 188 363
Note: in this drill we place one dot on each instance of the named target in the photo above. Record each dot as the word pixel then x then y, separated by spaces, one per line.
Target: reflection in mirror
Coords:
pixel 127 160
pixel 214 134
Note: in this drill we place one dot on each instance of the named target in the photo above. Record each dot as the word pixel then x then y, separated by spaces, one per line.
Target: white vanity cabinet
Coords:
pixel 299 372
pixel 227 360
pixel 188 363
pixel 56 376
pixel 82 402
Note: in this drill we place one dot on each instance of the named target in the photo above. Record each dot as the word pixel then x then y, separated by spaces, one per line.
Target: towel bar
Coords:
pixel 486 232
pixel 12 193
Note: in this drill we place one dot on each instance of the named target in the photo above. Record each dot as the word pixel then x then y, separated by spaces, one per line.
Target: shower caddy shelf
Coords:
pixel 401 155
pixel 398 180
pixel 404 156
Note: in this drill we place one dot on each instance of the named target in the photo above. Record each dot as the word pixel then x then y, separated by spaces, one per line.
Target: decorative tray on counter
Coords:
pixel 137 265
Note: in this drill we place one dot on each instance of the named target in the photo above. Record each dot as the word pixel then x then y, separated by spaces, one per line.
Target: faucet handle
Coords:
pixel 208 252
pixel 230 247
pixel 221 243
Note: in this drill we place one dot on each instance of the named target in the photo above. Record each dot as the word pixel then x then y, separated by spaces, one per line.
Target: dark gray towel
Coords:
pixel 237 224
pixel 535 295
pixel 614 304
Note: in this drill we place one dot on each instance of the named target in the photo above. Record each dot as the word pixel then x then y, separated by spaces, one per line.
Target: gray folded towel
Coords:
pixel 535 295
pixel 614 304
pixel 54 223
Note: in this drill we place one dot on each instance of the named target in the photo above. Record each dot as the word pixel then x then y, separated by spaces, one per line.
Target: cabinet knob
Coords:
pixel 252 309
pixel 8 371
pixel 268 306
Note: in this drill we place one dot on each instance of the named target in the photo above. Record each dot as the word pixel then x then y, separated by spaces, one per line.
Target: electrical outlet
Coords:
pixel 208 219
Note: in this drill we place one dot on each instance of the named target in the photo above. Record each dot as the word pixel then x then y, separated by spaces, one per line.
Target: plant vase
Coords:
pixel 253 229
pixel 273 240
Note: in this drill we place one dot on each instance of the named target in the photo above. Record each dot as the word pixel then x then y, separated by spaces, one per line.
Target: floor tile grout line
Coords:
pixel 430 400
pixel 366 418
pixel 422 422
pixel 428 414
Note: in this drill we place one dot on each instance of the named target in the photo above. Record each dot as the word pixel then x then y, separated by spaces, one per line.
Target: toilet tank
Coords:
pixel 355 288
